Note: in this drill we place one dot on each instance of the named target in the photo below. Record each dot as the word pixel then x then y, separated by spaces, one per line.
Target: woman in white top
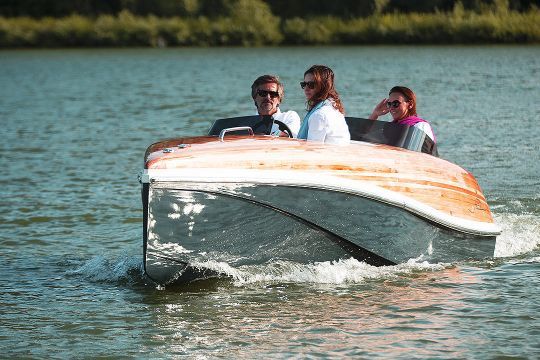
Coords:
pixel 325 120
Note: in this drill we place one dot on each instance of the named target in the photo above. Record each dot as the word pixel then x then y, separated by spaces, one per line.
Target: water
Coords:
pixel 75 124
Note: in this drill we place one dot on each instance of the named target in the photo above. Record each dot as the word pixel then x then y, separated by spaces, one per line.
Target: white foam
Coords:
pixel 520 234
pixel 101 268
pixel 328 272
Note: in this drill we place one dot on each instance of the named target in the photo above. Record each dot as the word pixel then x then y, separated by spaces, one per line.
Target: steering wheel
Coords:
pixel 283 127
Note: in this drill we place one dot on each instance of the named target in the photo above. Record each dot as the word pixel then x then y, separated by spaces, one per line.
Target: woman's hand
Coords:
pixel 379 110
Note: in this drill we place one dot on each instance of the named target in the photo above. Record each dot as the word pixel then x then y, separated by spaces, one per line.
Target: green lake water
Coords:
pixel 74 128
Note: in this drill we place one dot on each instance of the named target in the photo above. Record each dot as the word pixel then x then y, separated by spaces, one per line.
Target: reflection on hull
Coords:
pixel 189 225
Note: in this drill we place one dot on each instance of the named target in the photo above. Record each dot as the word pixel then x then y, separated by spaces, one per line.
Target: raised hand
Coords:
pixel 379 110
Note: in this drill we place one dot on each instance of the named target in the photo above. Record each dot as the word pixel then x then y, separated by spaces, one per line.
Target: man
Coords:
pixel 267 93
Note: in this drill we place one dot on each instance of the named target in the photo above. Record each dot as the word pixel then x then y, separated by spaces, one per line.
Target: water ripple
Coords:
pixel 75 125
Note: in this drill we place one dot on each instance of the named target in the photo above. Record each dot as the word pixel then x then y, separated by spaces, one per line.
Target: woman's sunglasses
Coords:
pixel 264 93
pixel 393 104
pixel 309 84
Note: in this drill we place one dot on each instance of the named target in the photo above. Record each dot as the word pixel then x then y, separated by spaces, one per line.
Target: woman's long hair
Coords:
pixel 409 95
pixel 324 87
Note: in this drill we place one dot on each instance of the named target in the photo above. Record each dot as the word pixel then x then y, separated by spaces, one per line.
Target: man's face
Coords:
pixel 267 98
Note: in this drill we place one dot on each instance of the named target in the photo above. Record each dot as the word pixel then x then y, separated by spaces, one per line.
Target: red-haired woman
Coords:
pixel 401 104
pixel 325 120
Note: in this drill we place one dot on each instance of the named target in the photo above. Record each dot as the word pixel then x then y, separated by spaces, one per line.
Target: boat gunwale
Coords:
pixel 322 182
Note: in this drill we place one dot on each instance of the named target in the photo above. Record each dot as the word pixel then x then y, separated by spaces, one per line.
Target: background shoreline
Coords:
pixel 459 27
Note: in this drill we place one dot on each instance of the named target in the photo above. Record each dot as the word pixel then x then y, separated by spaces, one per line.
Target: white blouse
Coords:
pixel 328 125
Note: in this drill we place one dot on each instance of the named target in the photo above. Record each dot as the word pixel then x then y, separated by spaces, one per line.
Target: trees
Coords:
pixel 284 9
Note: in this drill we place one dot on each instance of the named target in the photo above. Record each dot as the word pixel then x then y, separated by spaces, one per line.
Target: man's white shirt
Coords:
pixel 289 118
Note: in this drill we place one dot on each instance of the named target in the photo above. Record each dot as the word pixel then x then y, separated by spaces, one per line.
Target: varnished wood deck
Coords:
pixel 432 181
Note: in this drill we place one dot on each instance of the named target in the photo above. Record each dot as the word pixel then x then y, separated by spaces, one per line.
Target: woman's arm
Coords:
pixel 379 110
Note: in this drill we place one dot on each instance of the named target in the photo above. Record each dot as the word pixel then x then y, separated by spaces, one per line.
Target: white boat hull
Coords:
pixel 250 200
pixel 248 224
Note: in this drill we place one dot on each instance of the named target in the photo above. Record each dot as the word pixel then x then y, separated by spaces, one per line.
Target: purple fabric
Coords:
pixel 411 120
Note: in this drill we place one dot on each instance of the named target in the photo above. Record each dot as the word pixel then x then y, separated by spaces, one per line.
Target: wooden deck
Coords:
pixel 432 181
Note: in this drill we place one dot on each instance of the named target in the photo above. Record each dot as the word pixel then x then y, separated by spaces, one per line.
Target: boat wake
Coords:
pixel 129 270
pixel 520 234
pixel 345 271
pixel 124 269
pixel 519 242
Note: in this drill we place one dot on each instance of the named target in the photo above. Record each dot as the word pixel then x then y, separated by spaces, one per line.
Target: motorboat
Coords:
pixel 240 197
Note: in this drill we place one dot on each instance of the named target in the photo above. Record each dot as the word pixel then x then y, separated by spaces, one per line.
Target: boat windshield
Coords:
pixel 372 131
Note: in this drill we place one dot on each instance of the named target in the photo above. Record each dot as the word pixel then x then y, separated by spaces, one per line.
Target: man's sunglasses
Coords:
pixel 309 84
pixel 264 93
pixel 393 104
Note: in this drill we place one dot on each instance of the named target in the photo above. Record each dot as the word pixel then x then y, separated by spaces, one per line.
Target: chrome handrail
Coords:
pixel 239 128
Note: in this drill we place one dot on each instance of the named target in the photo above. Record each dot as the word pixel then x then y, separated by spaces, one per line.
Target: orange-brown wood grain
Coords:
pixel 433 181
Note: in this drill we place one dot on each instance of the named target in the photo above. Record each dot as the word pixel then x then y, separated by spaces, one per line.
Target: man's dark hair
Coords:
pixel 266 79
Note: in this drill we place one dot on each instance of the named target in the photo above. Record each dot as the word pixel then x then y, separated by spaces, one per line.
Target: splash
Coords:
pixel 343 271
pixel 520 234
pixel 103 269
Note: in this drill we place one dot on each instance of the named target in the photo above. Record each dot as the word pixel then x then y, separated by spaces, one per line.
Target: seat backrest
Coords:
pixel 259 124
pixel 372 131
pixel 389 133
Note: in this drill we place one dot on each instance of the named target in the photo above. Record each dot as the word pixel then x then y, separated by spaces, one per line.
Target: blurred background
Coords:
pixel 162 23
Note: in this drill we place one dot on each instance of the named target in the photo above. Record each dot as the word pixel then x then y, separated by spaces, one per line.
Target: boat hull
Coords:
pixel 194 226
pixel 212 203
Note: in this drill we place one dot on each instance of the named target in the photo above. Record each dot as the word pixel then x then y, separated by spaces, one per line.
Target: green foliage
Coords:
pixel 315 31
pixel 345 9
pixel 124 30
pixel 251 23
pixel 284 9
pixel 497 24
